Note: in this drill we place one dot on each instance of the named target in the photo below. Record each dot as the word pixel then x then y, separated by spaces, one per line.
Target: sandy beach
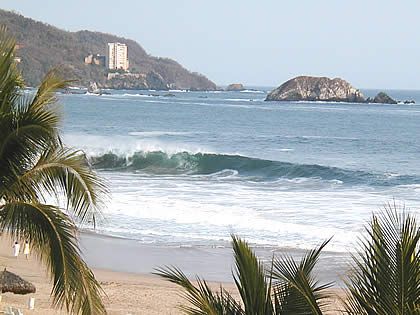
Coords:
pixel 127 292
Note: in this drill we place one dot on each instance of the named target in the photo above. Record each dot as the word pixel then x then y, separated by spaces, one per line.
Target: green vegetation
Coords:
pixel 288 288
pixel 34 168
pixel 386 272
pixel 384 280
pixel 45 46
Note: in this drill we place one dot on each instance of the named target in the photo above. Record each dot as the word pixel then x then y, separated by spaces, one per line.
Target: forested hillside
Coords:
pixel 43 46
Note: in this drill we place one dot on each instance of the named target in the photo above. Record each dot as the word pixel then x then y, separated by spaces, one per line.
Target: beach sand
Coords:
pixel 127 292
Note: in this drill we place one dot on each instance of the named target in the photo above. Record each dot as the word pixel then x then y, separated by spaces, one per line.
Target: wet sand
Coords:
pixel 210 263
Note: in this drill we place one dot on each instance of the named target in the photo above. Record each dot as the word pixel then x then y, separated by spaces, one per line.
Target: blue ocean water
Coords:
pixel 192 167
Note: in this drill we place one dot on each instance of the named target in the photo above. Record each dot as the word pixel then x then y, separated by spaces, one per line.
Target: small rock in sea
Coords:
pixel 409 102
pixel 235 87
pixel 383 98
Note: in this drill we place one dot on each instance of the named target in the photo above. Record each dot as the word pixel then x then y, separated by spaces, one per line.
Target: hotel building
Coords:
pixel 117 56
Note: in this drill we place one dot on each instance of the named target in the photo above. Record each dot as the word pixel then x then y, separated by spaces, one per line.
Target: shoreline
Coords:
pixel 214 264
pixel 130 292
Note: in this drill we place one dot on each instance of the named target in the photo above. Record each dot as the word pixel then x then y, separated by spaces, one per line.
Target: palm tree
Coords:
pixel 36 168
pixel 287 288
pixel 385 278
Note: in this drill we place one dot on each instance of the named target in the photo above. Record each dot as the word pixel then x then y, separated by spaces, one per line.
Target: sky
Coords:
pixel 370 43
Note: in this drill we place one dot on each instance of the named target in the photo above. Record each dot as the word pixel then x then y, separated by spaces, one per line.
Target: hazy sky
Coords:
pixel 372 44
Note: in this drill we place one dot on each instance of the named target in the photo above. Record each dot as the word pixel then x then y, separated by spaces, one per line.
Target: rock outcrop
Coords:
pixel 93 88
pixel 235 87
pixel 382 98
pixel 306 88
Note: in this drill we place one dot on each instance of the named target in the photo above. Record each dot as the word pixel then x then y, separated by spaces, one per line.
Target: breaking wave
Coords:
pixel 159 162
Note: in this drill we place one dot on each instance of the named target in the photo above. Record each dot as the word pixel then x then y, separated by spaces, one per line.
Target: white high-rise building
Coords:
pixel 117 56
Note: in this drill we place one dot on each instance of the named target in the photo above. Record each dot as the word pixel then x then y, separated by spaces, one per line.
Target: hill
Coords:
pixel 42 46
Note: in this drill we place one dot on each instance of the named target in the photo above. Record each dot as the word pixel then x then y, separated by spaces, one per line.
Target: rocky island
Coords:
pixel 307 88
pixel 235 87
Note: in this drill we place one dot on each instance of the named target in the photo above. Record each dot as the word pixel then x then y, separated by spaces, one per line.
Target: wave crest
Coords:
pixel 159 162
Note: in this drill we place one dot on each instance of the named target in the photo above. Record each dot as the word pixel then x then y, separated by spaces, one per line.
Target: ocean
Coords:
pixel 191 168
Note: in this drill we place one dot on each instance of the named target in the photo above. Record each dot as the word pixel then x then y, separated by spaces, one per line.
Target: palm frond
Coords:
pixel 203 300
pixel 64 173
pixel 23 144
pixel 52 235
pixel 250 279
pixel 46 94
pixel 29 127
pixel 295 290
pixel 10 77
pixel 385 277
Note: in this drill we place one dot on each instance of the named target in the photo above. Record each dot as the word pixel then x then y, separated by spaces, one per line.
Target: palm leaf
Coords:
pixel 250 279
pixel 385 277
pixel 64 173
pixel 10 78
pixel 295 290
pixel 46 94
pixel 53 237
pixel 27 128
pixel 203 300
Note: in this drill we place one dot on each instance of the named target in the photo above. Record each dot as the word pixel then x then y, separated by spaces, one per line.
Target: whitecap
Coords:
pixel 158 133
pixel 238 99
pixel 253 91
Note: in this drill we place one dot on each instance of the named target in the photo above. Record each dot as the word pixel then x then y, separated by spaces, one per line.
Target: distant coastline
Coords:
pixel 80 56
pixel 413 96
